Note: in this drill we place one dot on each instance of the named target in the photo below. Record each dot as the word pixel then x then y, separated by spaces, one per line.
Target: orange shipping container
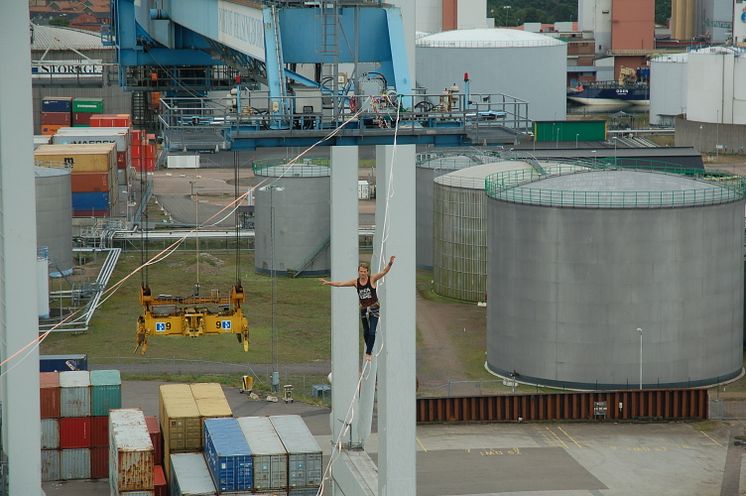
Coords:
pixel 110 120
pixel 49 383
pixel 80 158
pixel 50 129
pixel 86 182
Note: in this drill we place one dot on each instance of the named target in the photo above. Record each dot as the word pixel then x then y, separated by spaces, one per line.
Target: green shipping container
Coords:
pixel 106 392
pixel 90 105
pixel 572 131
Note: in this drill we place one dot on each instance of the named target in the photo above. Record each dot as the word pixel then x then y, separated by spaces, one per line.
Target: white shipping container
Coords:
pixel 183 162
pixel 268 452
pixel 72 379
pixel 50 434
pixel 131 453
pixel 363 190
pixel 190 476
pixel 75 463
pixel 50 465
pixel 304 453
pixel 89 135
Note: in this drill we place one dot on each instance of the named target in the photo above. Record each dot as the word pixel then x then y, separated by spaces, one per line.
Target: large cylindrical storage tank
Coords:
pixel 459 230
pixel 668 93
pixel 582 266
pixel 496 62
pixel 54 218
pixel 292 223
pixel 714 92
pixel 430 166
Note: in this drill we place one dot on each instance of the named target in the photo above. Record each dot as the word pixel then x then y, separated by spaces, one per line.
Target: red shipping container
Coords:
pixel 75 432
pixel 49 383
pixel 82 118
pixel 99 432
pixel 150 151
pixel 121 160
pixel 100 462
pixel 154 429
pixel 58 118
pixel 91 213
pixel 87 182
pixel 136 151
pixel 51 129
pixel 136 137
pixel 159 481
pixel 149 164
pixel 110 120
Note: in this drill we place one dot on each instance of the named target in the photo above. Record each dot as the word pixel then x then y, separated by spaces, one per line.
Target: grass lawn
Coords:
pixel 302 314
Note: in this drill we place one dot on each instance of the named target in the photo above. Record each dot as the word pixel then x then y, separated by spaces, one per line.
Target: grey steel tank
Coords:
pixel 592 274
pixel 292 218
pixel 54 218
pixel 429 166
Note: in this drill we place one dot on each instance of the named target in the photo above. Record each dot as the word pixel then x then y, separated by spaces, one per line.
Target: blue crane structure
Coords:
pixel 262 53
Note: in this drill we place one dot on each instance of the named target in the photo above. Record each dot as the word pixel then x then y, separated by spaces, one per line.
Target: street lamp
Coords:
pixel 640 331
pixel 577 135
pixel 507 8
pixel 593 152
pixel 615 139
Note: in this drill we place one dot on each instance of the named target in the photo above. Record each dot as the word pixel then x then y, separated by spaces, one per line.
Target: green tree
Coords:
pixel 550 11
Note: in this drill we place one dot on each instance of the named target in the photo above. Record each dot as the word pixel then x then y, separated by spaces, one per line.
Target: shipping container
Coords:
pixel 189 476
pixel 50 465
pixel 57 104
pixel 50 434
pixel 100 462
pixel 56 118
pixel 85 182
pixel 136 493
pixel 306 491
pixel 269 455
pixel 120 136
pixel 82 119
pixel 49 383
pixel 122 160
pixel 181 426
pixel 91 213
pixel 75 432
pixel 75 398
pixel 60 363
pixel 89 105
pixel 160 488
pixel 106 391
pixel 304 453
pixel 111 120
pixel 131 452
pixel 210 400
pixel 50 129
pixel 154 430
pixel 86 202
pixel 570 131
pixel 99 432
pixel 227 454
pixel 41 140
pixel 80 158
pixel 75 464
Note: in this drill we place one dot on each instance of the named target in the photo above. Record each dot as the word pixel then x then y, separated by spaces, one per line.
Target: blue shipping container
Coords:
pixel 228 456
pixel 57 104
pixel 90 201
pixel 62 363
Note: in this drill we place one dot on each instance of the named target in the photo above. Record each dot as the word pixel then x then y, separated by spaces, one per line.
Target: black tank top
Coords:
pixel 367 294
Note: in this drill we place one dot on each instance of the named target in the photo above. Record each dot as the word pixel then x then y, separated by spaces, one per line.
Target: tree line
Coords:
pixel 516 12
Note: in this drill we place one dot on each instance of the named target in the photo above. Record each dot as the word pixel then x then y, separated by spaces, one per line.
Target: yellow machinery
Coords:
pixel 194 316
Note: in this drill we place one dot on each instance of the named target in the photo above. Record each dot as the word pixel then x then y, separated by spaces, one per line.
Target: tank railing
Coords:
pixel 482 44
pixel 456 159
pixel 313 167
pixel 504 186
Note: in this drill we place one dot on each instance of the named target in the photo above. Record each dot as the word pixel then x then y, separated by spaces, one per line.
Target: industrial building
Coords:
pixel 668 88
pixel 710 21
pixel 495 60
pixel 614 278
pixel 434 16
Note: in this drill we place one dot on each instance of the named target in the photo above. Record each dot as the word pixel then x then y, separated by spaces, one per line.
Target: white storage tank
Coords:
pixel 292 218
pixel 528 66
pixel 715 93
pixel 54 218
pixel 668 88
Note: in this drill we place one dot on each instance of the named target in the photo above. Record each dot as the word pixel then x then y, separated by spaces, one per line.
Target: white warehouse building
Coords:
pixel 527 66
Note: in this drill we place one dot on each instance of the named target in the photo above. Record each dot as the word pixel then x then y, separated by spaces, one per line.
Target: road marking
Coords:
pixel 569 436
pixel 711 438
pixel 421 445
pixel 555 436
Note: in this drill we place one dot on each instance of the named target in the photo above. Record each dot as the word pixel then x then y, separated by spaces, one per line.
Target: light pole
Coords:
pixel 615 142
pixel 275 340
pixel 593 152
pixel 507 8
pixel 577 135
pixel 639 329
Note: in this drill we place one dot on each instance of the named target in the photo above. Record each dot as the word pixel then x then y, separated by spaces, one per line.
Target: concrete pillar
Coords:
pixel 397 327
pixel 19 387
pixel 345 318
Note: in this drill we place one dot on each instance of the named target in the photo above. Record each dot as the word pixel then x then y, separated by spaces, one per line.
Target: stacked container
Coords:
pixel 154 430
pixel 160 487
pixel 93 176
pixel 190 476
pixel 50 426
pixel 304 454
pixel 84 108
pixel 270 460
pixel 75 425
pixel 56 112
pixel 106 395
pixel 143 152
pixel 111 120
pixel 131 453
pixel 60 363
pixel 120 136
pixel 181 426
pixel 210 400
pixel 228 456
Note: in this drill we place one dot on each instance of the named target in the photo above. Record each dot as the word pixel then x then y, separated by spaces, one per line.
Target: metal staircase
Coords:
pixel 308 261
pixel 329 49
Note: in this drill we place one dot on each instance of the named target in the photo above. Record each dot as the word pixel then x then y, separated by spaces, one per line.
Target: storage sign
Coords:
pixel 241 28
pixel 67 69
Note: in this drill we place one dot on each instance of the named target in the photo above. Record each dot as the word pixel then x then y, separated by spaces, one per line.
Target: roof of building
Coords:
pixel 672 57
pixel 487 38
pixel 58 38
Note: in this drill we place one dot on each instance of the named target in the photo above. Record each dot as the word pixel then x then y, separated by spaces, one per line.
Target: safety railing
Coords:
pixel 514 187
pixel 309 167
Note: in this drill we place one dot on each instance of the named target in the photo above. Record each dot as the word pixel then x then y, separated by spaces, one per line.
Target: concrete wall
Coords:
pixel 567 289
pixel 704 136
pixel 632 24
